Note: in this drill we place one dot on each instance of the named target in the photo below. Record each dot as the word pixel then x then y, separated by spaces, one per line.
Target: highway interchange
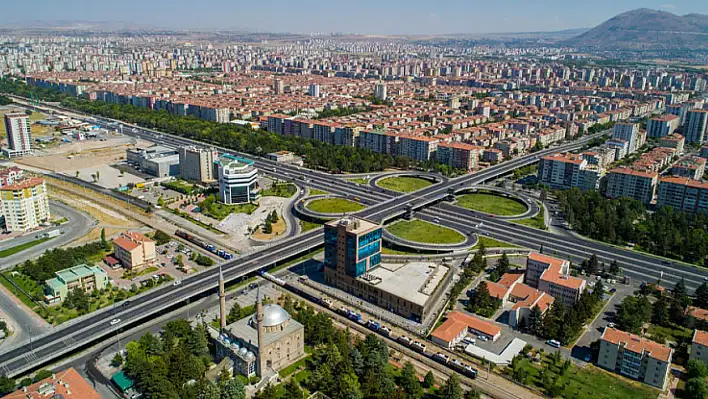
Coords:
pixel 384 205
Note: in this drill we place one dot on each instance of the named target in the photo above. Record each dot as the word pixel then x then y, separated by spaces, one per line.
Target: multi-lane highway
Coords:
pixel 384 206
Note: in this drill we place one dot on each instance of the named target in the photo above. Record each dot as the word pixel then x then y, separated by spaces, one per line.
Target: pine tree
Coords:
pixel 451 389
pixel 702 296
pixel 429 379
pixel 104 242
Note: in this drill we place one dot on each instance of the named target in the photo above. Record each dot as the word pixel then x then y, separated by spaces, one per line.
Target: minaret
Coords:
pixel 261 340
pixel 222 299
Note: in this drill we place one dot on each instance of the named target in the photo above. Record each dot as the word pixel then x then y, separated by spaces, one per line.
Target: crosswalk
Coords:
pixel 30 357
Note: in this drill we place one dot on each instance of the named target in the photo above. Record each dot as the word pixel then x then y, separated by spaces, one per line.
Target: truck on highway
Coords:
pixel 52 234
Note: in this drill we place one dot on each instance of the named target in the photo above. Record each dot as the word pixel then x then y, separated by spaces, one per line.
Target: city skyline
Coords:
pixel 394 17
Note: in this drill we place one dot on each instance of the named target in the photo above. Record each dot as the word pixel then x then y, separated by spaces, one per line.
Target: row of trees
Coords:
pixel 677 235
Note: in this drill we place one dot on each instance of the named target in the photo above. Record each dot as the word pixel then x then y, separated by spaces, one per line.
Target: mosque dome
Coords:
pixel 274 315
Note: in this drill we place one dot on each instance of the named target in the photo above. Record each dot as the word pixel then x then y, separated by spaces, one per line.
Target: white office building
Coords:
pixel 18 135
pixel 314 90
pixel 380 92
pixel 238 180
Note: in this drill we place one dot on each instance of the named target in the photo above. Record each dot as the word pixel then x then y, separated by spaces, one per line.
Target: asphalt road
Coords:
pixel 78 225
pixel 384 208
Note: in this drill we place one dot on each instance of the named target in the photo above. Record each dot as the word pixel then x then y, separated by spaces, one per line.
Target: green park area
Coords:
pixel 560 378
pixel 334 205
pixel 404 184
pixel 491 203
pixel 424 232
pixel 307 226
pixel 314 191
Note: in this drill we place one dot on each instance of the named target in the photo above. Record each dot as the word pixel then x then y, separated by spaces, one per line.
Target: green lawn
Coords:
pixel 421 231
pixel 493 243
pixel 490 203
pixel 404 184
pixel 18 248
pixel 334 205
pixel 286 190
pixel 536 222
pixel 307 226
pixel 314 191
pixel 587 383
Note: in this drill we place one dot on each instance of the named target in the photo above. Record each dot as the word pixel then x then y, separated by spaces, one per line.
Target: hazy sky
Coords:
pixel 359 16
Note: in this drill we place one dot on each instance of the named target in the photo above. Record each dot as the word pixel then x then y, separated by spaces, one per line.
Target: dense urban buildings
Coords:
pixel 25 204
pixel 661 126
pixel 635 357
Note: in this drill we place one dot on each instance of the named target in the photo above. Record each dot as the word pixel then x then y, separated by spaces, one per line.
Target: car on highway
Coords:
pixel 115 321
pixel 176 283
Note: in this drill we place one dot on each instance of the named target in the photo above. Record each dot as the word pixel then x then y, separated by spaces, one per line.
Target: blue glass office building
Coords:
pixel 352 247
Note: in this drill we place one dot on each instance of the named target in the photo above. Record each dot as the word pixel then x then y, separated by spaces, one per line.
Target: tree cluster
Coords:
pixel 564 323
pixel 77 299
pixel 666 232
pixel 481 302
pixel 44 267
pixel 161 238
pixel 162 366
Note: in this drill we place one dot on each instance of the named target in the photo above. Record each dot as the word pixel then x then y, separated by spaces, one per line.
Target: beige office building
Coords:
pixel 197 164
pixel 134 250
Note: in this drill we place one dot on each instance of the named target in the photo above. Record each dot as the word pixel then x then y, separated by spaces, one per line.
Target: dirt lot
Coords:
pixel 85 154
pixel 95 205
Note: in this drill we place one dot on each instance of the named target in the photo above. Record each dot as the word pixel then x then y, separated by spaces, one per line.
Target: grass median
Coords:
pixel 404 184
pixel 334 205
pixel 19 248
pixel 490 203
pixel 424 232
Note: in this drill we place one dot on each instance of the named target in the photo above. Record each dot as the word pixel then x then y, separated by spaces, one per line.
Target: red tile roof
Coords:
pixel 23 184
pixel 67 384
pixel 637 344
pixel 698 313
pixel 700 337
pixel 457 322
pixel 125 243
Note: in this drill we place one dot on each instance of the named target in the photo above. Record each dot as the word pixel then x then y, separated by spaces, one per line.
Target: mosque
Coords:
pixel 260 344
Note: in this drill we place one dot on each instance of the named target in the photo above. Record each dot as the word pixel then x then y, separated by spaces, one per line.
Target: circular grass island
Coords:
pixel 425 232
pixel 403 184
pixel 492 203
pixel 334 205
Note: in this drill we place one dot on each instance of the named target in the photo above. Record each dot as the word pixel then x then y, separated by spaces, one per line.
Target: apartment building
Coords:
pixel 84 277
pixel 628 132
pixel 630 183
pixel 417 148
pixel 9 175
pixel 25 204
pixel 696 125
pixel 65 384
pixel 379 142
pixel 704 151
pixel 19 139
pixel 699 346
pixel 551 275
pixel 134 250
pixel 689 166
pixel 635 357
pixel 197 164
pixel 683 194
pixel 565 171
pixel 675 141
pixel 459 155
pixel 662 126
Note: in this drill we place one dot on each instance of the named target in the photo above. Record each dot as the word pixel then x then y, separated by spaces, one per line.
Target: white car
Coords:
pixel 177 282
pixel 115 321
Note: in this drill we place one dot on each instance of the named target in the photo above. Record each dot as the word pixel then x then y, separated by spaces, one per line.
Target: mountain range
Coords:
pixel 645 29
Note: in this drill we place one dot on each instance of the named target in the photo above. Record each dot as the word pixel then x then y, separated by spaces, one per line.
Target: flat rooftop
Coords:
pixel 354 224
pixel 414 281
